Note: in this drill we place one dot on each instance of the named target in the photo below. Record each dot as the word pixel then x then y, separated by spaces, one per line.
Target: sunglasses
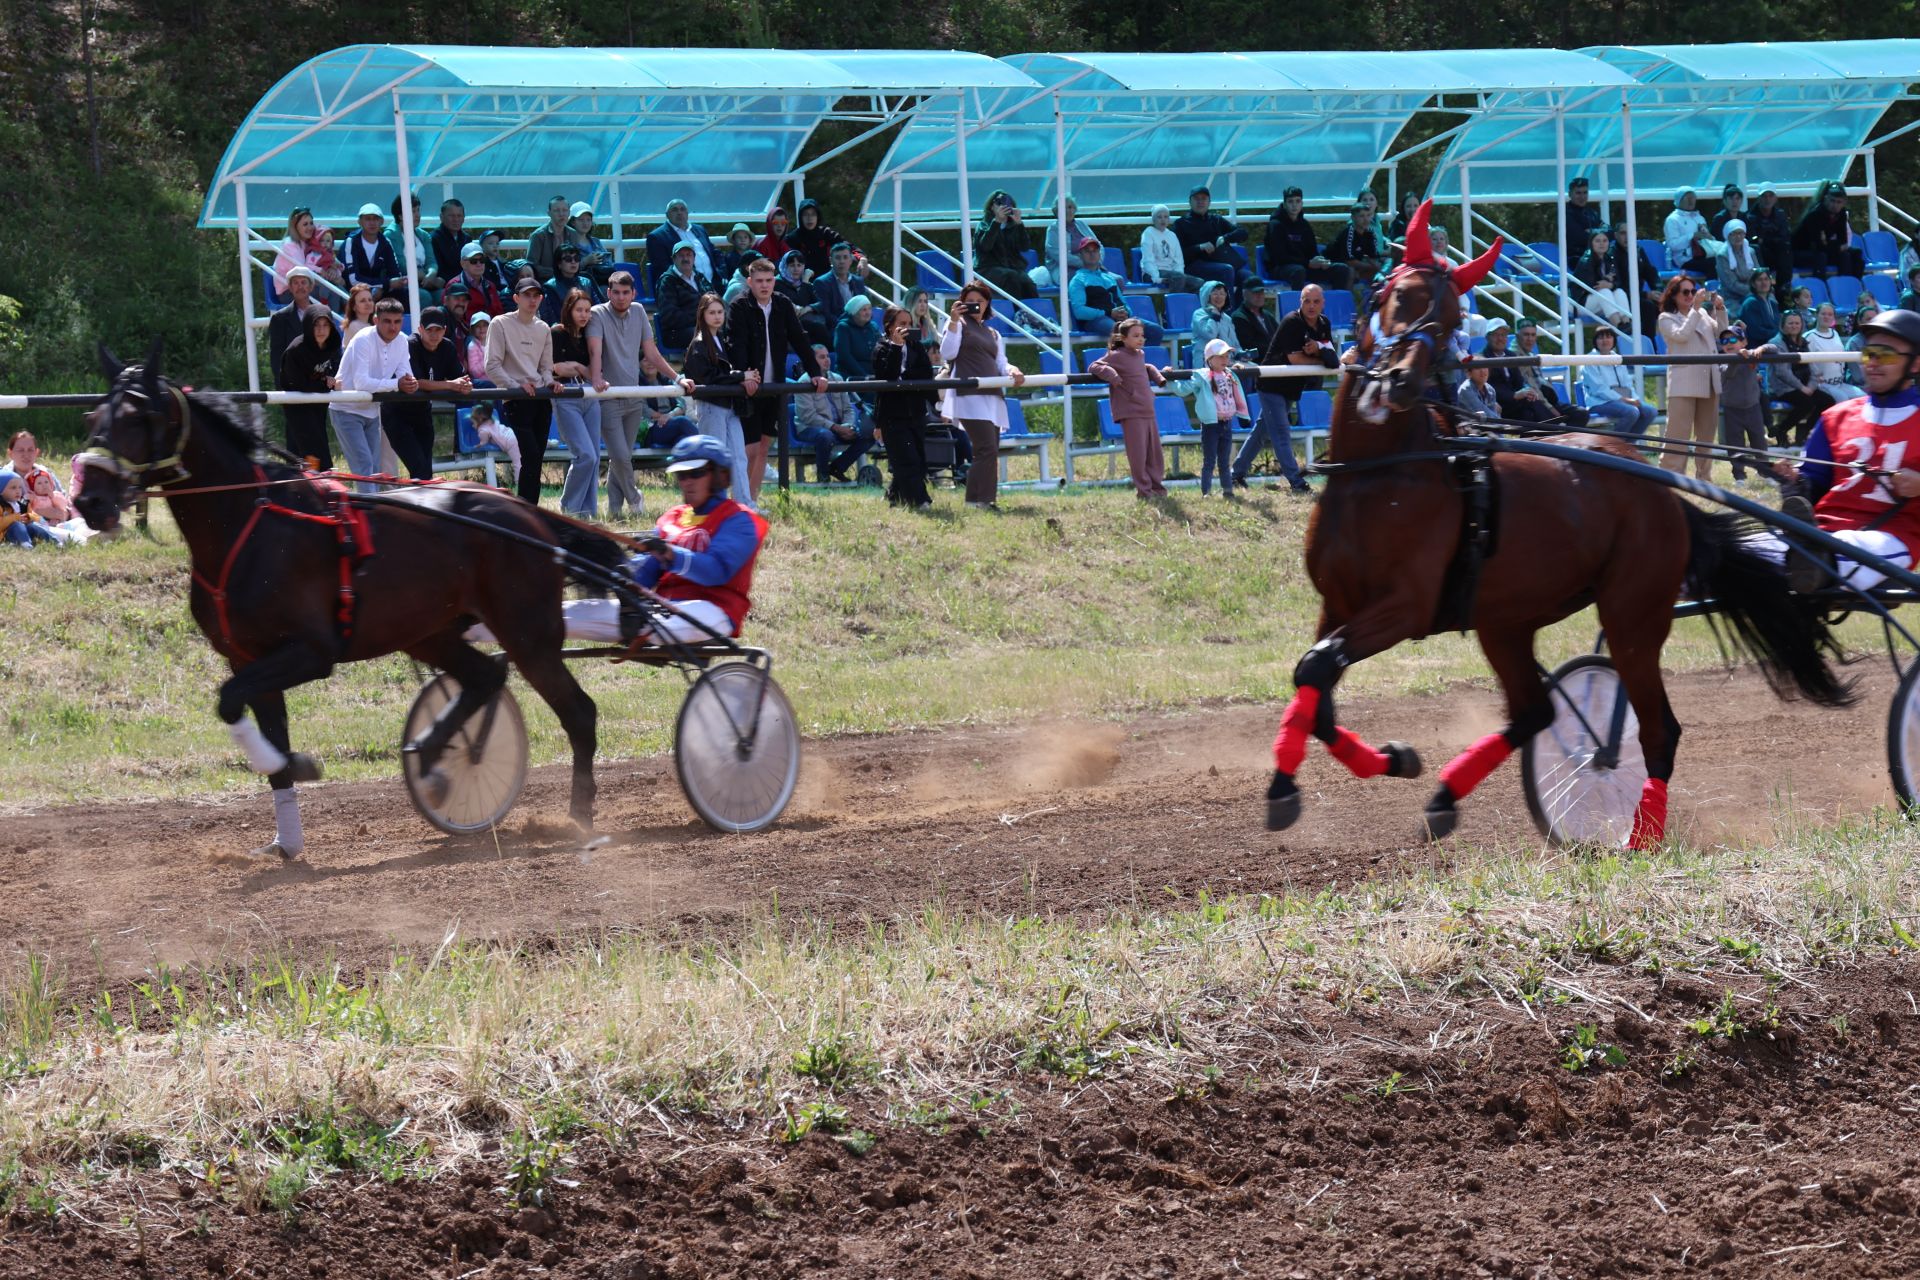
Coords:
pixel 1874 353
pixel 1684 293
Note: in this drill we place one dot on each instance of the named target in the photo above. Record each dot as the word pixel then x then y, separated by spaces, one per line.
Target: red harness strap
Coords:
pixel 351 527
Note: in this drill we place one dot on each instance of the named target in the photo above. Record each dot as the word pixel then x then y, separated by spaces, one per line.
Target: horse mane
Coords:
pixel 240 425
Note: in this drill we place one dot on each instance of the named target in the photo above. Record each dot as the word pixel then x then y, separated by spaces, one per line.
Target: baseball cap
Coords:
pixel 1497 323
pixel 579 207
pixel 1767 189
pixel 1084 242
pixel 371 208
pixel 433 316
pixel 1218 347
pixel 301 273
pixel 1254 286
pixel 685 246
pixel 529 285
pixel 471 250
pixel 566 249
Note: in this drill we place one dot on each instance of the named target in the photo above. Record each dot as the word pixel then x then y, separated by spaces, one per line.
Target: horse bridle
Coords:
pixel 1425 330
pixel 161 427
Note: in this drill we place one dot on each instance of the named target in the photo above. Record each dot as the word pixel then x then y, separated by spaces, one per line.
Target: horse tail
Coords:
pixel 1783 633
pixel 590 555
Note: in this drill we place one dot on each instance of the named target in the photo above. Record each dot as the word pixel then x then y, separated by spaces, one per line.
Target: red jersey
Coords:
pixel 683 527
pixel 1886 440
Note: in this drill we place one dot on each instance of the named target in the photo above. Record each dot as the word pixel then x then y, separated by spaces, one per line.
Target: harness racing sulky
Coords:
pixel 1431 522
pixel 293 574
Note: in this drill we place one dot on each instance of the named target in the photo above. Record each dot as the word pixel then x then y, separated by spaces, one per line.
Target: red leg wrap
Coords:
pixel 1471 767
pixel 1349 750
pixel 1290 744
pixel 1650 819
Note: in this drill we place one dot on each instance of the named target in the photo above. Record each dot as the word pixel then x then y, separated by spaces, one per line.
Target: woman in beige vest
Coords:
pixel 1691 321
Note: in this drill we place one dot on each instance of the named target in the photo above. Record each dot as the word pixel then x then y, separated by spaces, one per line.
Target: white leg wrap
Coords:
pixel 262 756
pixel 286 822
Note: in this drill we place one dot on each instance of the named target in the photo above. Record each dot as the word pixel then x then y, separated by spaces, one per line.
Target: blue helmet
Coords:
pixel 694 452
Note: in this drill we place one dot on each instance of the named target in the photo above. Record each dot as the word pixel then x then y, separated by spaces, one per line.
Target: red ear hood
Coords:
pixel 1464 278
pixel 1419 252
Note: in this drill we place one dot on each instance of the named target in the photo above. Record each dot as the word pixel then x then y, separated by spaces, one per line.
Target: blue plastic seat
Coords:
pixel 1016 418
pixel 1170 415
pixel 1114 259
pixel 1881 250
pixel 641 285
pixel 1548 268
pixel 1339 308
pixel 1109 429
pixel 1844 291
pixel 1884 290
pixel 1180 311
pixel 1141 304
pixel 1316 410
pixel 1050 363
pixel 1033 258
pixel 1137 271
pixel 1813 285
pixel 1656 251
pixel 935 270
pixel 1289 301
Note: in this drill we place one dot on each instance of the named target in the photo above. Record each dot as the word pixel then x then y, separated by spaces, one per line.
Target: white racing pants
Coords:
pixel 598 621
pixel 1872 541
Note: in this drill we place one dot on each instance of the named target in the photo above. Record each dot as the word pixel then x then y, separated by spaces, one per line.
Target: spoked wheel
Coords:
pixel 1903 740
pixel 485 763
pixel 1583 774
pixel 736 747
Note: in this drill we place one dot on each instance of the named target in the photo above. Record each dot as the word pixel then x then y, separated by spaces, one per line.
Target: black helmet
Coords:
pixel 1901 324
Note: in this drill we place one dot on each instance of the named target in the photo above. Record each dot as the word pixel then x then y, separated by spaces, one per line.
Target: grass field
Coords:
pixel 256 1081
pixel 1087 602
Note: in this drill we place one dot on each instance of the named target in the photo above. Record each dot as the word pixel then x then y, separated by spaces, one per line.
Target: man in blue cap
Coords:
pixel 700 556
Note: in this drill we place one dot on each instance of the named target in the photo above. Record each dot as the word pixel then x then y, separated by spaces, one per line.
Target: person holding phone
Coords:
pixel 902 415
pixel 972 349
pixel 1691 321
pixel 1000 246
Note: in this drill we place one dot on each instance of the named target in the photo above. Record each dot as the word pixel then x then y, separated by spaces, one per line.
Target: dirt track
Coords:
pixel 1056 817
pixel 1784 1155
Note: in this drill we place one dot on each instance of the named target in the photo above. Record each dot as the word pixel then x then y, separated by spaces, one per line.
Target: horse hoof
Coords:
pixel 305 768
pixel 435 786
pixel 1283 813
pixel 1441 822
pixel 1402 760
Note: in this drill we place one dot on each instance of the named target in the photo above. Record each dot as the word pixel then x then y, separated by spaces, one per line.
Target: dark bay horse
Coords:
pixel 278 595
pixel 1383 535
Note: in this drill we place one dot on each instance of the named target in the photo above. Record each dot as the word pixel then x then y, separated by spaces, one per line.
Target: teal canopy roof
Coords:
pixel 1141 129
pixel 1703 116
pixel 507 128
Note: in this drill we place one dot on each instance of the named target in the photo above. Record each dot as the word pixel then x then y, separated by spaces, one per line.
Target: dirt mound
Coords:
pixel 1492 1161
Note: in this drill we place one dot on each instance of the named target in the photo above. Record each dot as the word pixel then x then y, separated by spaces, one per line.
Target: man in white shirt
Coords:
pixel 376 360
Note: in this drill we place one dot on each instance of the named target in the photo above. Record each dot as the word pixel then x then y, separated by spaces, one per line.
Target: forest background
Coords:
pixel 113 116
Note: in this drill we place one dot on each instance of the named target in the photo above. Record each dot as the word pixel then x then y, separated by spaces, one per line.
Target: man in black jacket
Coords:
pixel 1207 242
pixel 1583 219
pixel 1293 248
pixel 1304 337
pixel 762 330
pixel 289 322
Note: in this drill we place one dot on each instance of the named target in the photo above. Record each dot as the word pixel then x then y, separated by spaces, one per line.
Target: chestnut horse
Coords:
pixel 1389 523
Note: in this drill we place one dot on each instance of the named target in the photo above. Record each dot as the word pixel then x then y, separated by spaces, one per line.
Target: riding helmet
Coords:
pixel 694 452
pixel 1899 323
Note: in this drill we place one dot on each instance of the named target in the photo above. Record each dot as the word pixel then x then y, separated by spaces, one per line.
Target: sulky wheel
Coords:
pixel 736 747
pixel 1583 773
pixel 1903 739
pixel 484 765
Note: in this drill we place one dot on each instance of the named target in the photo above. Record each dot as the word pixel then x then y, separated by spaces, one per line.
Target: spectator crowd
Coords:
pixel 743 309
